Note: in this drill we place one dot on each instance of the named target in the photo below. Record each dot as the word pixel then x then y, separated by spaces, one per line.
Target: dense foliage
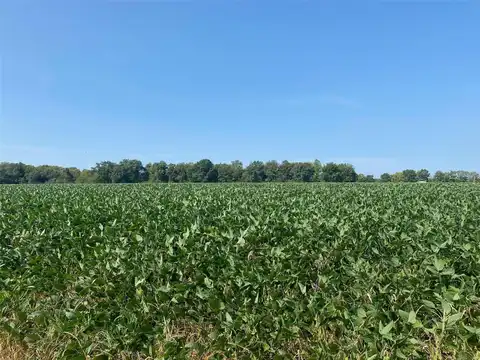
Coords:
pixel 242 270
pixel 133 171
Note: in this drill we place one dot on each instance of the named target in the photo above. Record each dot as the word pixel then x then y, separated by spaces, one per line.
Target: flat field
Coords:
pixel 304 271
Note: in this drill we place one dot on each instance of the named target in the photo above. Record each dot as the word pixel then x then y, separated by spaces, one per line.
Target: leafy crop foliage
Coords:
pixel 241 271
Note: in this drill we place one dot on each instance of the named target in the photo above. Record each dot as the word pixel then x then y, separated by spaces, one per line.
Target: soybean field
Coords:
pixel 240 271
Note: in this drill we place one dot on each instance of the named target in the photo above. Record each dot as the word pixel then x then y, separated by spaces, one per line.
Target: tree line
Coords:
pixel 133 171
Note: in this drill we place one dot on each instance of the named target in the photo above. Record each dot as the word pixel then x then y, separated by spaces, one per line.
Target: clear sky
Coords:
pixel 385 85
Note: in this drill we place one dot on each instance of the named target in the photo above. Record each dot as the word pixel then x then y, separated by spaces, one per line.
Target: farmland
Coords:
pixel 240 271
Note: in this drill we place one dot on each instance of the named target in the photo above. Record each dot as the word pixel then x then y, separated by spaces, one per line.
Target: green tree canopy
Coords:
pixel 133 171
pixel 332 172
pixel 385 177
pixel 423 175
pixel 409 175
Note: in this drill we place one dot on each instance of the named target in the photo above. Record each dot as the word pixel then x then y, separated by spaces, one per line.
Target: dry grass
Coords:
pixel 10 350
pixel 188 333
pixel 195 333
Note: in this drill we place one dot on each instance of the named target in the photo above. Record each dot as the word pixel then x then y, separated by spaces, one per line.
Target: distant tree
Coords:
pixel 361 178
pixel 86 177
pixel 254 172
pixel 385 177
pixel 203 171
pixel 237 170
pixel 475 177
pixel 317 167
pixel 12 173
pixel 73 173
pixel 49 174
pixel 398 177
pixel 409 175
pixel 130 171
pixel 423 175
pixel 106 172
pixel 186 170
pixel 172 172
pixel 365 178
pixel 224 172
pixel 462 176
pixel 456 176
pixel 271 171
pixel 212 175
pixel 348 173
pixel 229 172
pixel 332 172
pixel 157 172
pixel 439 176
pixel 303 172
pixel 285 171
pixel 179 172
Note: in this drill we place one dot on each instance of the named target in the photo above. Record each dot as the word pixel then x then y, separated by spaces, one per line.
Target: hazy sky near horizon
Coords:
pixel 384 85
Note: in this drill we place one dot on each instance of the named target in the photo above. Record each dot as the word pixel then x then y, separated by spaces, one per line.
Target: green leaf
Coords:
pixel 387 328
pixel 446 307
pixel 216 304
pixel 303 288
pixel 471 329
pixel 30 338
pixel 21 316
pixel 39 317
pixel 412 317
pixel 361 313
pixel 202 293
pixel 403 315
pixel 139 281
pixel 208 282
pixel 439 264
pixel 213 335
pixel 70 315
pixel 452 319
pixel 101 357
pixel 429 304
pixel 417 324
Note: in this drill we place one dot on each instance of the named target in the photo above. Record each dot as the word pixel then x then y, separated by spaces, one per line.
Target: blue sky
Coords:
pixel 385 85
